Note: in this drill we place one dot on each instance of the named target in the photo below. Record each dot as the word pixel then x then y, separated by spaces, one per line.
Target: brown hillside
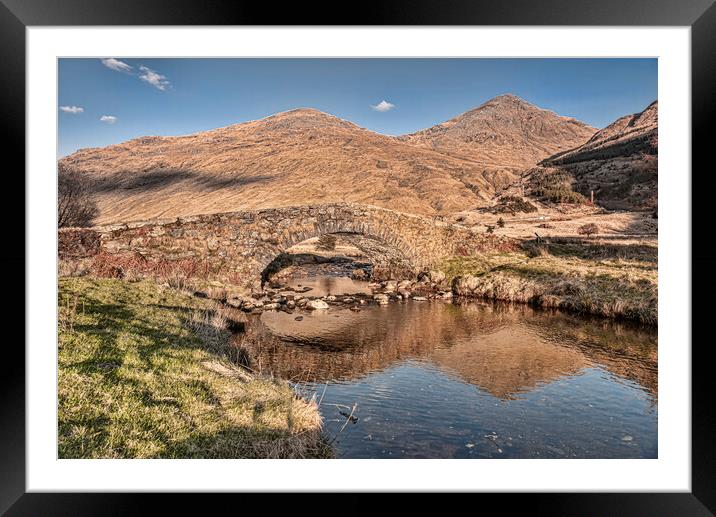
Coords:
pixel 506 131
pixel 297 157
pixel 304 156
pixel 619 163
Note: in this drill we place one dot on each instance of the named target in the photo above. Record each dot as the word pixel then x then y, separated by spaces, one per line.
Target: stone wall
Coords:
pixel 237 246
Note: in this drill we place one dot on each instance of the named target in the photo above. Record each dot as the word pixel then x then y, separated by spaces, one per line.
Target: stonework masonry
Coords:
pixel 241 244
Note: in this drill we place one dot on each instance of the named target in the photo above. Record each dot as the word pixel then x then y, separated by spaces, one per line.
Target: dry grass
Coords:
pixel 609 281
pixel 145 372
pixel 283 160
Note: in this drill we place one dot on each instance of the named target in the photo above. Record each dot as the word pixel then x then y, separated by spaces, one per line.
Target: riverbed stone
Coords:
pixel 316 305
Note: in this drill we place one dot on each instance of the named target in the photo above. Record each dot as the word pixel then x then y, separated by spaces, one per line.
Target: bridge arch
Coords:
pixel 236 247
pixel 383 246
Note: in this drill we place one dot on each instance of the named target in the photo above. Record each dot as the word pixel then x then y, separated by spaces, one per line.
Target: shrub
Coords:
pixel 588 229
pixel 513 204
pixel 500 223
pixel 561 195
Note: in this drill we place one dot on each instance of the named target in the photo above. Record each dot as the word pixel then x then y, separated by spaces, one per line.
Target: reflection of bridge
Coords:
pixel 504 350
pixel 244 243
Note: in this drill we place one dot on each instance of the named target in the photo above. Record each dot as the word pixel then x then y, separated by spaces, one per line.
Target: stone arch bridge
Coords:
pixel 237 246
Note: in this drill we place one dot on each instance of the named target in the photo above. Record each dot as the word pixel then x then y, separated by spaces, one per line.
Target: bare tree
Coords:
pixel 588 229
pixel 75 205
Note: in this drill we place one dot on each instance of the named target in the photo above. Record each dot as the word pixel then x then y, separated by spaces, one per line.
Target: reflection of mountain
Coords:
pixel 503 350
pixel 624 351
pixel 509 361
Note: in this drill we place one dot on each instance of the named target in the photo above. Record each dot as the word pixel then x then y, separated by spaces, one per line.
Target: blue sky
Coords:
pixel 102 102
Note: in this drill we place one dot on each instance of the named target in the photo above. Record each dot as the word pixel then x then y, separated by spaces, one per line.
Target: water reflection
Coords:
pixel 326 285
pixel 500 348
pixel 437 379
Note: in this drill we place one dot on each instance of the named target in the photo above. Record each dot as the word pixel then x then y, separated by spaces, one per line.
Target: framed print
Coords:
pixel 418 250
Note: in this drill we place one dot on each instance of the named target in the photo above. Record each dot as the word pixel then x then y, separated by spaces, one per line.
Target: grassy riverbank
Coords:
pixel 143 373
pixel 610 280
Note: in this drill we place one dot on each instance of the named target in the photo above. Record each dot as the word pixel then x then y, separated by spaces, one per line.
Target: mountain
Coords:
pixel 619 164
pixel 505 131
pixel 306 156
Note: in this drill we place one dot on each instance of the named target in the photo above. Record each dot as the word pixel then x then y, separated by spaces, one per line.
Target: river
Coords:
pixel 438 379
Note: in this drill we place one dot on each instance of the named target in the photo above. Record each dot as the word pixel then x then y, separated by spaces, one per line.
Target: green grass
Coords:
pixel 142 374
pixel 609 281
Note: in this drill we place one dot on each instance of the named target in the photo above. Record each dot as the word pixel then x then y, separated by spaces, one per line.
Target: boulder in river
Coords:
pixel 316 304
pixel 390 285
pixel 381 298
pixel 431 277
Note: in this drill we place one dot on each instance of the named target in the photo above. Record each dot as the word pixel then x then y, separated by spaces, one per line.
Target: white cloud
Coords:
pixel 155 79
pixel 72 109
pixel 383 106
pixel 117 65
pixel 109 119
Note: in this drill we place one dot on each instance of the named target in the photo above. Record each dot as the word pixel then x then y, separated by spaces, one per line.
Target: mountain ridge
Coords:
pixel 299 156
pixel 619 164
pixel 505 120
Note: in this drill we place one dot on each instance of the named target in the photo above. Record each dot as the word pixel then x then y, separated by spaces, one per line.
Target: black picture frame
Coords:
pixel 700 15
